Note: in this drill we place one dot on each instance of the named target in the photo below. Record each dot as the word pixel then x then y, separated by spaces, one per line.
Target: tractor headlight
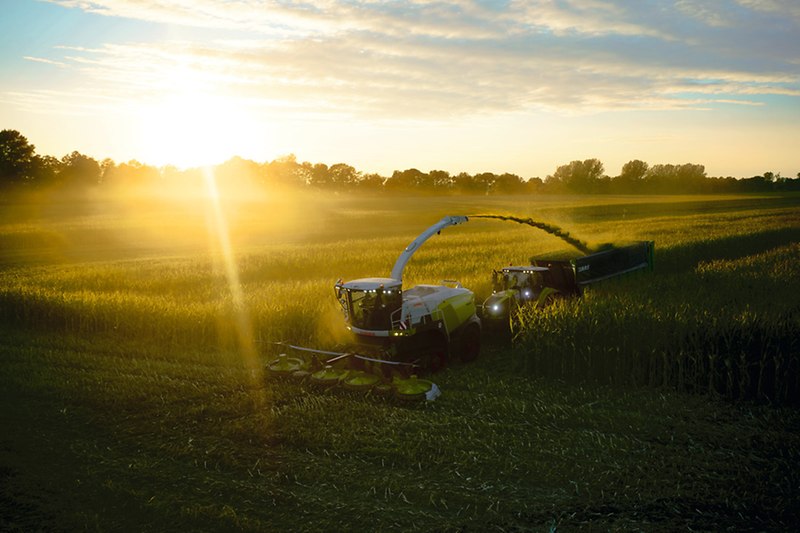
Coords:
pixel 496 308
pixel 526 293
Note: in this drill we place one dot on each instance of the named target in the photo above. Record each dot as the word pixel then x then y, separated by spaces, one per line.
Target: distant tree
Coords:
pixel 343 177
pixel 317 175
pixel 79 170
pixel 407 181
pixel 17 158
pixel 441 180
pixel 553 184
pixel 671 179
pixel 661 178
pixel 285 171
pixel 754 184
pixel 107 168
pixel 508 184
pixel 728 184
pixel 690 178
pixel 603 185
pixel 634 170
pixel 632 176
pixel 46 170
pixel 580 176
pixel 134 173
pixel 371 182
pixel 484 182
pixel 231 174
pixel 786 184
pixel 534 185
pixel 465 183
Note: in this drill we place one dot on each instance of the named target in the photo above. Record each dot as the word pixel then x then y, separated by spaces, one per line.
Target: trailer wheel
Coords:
pixel 470 345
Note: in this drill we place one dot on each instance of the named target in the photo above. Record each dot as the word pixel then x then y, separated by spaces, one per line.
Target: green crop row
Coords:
pixel 726 327
pixel 718 314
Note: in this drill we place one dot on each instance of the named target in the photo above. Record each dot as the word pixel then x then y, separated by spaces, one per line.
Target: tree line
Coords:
pixel 22 168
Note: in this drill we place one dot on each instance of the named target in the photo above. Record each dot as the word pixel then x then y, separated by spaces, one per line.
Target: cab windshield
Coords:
pixel 519 281
pixel 373 309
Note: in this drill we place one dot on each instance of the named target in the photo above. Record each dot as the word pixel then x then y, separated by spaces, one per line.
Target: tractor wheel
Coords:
pixel 470 344
pixel 549 298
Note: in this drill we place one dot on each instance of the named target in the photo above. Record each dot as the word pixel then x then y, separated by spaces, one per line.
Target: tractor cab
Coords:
pixel 371 304
pixel 513 286
pixel 527 281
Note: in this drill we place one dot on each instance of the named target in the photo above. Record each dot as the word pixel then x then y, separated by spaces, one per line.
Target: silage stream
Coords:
pixel 549 228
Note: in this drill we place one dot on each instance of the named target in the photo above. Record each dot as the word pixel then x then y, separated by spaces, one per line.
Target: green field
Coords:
pixel 134 334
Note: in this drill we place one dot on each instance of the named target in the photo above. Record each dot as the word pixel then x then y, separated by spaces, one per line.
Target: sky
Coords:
pixel 383 85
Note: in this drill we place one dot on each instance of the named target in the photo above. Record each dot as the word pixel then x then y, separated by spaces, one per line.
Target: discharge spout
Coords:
pixel 405 256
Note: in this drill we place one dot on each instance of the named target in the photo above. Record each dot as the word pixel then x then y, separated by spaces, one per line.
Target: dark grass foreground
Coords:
pixel 103 437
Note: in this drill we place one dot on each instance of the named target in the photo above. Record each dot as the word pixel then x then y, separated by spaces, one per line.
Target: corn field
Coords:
pixel 133 338
pixel 718 315
pixel 730 330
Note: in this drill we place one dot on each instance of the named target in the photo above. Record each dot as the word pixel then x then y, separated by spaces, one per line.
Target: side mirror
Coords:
pixel 338 290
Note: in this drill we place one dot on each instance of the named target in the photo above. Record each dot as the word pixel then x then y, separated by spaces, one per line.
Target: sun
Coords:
pixel 190 127
pixel 193 130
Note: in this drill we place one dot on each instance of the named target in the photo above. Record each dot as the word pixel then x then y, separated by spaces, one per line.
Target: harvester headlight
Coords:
pixel 526 293
pixel 496 308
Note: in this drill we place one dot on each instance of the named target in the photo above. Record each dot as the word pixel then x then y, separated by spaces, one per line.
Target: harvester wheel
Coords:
pixel 470 345
pixel 435 356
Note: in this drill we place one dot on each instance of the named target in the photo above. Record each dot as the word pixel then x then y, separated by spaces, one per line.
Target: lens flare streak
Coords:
pixel 220 235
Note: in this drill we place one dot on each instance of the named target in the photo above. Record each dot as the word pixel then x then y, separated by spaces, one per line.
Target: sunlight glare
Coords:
pixel 192 120
pixel 193 130
pixel 222 249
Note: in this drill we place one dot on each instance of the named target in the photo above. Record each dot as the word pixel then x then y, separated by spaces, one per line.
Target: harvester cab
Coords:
pixel 422 326
pixel 371 304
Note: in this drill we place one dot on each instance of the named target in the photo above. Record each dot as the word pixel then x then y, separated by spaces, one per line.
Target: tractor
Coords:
pixel 544 280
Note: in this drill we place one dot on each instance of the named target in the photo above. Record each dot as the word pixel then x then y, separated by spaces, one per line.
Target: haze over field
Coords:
pixel 469 86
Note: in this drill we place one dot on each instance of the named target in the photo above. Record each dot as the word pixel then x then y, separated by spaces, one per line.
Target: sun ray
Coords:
pixel 221 244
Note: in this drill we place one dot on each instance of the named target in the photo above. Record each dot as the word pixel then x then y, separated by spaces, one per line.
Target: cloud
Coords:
pixel 781 8
pixel 49 102
pixel 591 17
pixel 439 59
pixel 44 60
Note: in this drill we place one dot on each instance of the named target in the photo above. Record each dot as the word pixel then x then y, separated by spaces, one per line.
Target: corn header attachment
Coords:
pixel 326 370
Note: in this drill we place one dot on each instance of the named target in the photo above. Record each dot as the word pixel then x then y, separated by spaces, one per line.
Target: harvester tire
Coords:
pixel 435 354
pixel 470 343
